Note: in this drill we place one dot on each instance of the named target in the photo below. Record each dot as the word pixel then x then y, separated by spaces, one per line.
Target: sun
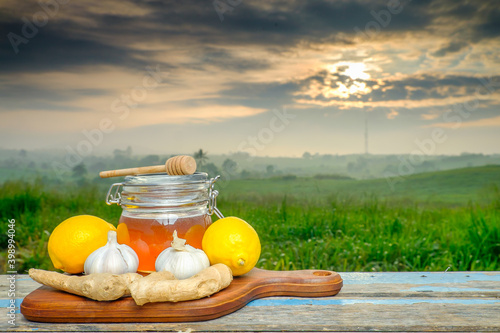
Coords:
pixel 343 80
pixel 354 85
pixel 356 71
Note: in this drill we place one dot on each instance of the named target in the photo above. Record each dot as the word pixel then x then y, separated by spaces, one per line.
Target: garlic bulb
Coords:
pixel 181 260
pixel 112 258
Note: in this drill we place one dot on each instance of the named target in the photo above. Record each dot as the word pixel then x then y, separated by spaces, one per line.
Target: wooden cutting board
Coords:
pixel 46 304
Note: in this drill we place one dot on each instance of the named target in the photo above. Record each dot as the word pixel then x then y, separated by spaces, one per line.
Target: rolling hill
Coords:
pixel 456 186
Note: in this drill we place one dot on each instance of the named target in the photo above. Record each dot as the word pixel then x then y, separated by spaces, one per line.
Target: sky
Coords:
pixel 270 78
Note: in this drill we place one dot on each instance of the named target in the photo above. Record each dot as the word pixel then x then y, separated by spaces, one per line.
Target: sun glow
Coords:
pixel 343 87
pixel 357 71
pixel 354 70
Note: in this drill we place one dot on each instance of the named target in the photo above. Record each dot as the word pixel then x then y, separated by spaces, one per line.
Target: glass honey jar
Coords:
pixel 154 205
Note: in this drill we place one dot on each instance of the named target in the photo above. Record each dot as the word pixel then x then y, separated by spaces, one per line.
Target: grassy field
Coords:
pixel 431 221
pixel 440 188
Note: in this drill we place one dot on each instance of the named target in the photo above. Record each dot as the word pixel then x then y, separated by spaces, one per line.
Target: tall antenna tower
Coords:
pixel 366 132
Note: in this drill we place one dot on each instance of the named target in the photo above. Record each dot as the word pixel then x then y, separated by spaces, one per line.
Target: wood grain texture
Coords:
pixel 177 165
pixel 368 302
pixel 49 305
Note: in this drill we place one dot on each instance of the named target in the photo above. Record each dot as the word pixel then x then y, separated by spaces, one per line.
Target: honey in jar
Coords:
pixel 156 205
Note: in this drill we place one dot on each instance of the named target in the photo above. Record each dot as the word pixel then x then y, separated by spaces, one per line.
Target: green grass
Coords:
pixel 375 236
pixel 430 221
pixel 38 210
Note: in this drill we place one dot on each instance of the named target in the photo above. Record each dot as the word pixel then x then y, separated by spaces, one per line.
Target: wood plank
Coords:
pixel 24 285
pixel 353 317
pixel 452 301
pixel 418 284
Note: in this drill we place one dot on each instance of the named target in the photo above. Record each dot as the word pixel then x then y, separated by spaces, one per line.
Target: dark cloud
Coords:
pixel 416 87
pixel 51 49
pixel 427 86
pixel 451 47
pixel 108 39
pixel 223 59
pixel 30 97
pixel 472 23
pixel 346 16
pixel 66 43
pixel 462 10
pixel 490 27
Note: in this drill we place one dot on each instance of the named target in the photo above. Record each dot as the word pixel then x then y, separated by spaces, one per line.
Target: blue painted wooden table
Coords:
pixel 417 301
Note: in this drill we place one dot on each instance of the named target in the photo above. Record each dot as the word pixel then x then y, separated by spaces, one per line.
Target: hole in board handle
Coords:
pixel 322 273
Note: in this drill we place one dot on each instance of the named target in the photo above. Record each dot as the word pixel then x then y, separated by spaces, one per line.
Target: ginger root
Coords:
pixel 99 286
pixel 156 287
pixel 153 288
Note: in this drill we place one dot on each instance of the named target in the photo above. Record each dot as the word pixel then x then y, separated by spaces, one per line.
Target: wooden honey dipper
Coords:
pixel 175 166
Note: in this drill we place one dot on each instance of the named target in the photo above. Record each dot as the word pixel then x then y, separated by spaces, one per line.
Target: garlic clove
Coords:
pixel 130 257
pixel 112 258
pixel 109 261
pixel 187 265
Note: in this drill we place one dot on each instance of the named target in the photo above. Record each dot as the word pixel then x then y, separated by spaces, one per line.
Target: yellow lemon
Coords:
pixel 233 242
pixel 74 239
